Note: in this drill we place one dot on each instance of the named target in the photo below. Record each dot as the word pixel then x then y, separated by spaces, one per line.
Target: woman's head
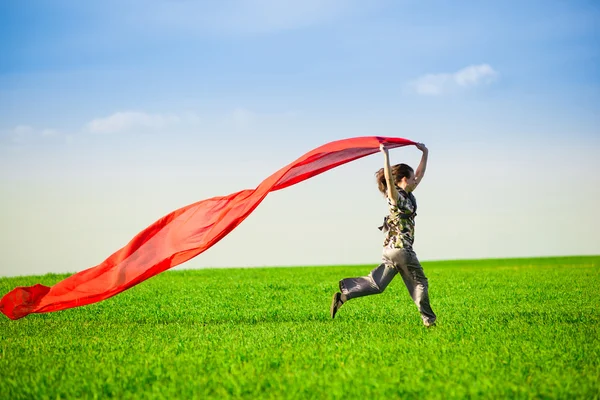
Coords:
pixel 403 176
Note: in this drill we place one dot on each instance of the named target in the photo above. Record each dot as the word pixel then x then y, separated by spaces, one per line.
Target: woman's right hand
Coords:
pixel 382 148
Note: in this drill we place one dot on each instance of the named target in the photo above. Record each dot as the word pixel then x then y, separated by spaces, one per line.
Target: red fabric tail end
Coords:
pixel 21 301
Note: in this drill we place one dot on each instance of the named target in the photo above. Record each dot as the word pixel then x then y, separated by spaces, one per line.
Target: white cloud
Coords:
pixel 431 84
pixel 438 84
pixel 23 130
pixel 49 132
pixel 135 121
pixel 475 75
pixel 22 134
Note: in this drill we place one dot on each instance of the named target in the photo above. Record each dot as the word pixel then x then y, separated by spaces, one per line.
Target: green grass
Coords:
pixel 520 328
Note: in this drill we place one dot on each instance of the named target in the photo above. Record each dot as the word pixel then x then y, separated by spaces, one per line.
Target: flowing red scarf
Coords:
pixel 181 235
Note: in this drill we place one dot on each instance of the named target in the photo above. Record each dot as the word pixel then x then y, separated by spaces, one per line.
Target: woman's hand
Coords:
pixel 382 148
pixel 422 165
pixel 422 147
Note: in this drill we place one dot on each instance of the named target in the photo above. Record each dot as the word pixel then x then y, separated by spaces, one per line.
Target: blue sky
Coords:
pixel 114 113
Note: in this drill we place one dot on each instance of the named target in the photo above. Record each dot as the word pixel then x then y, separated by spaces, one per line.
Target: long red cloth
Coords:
pixel 181 235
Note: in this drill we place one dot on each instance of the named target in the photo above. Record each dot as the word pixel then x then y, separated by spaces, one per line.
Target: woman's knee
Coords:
pixel 418 276
pixel 377 289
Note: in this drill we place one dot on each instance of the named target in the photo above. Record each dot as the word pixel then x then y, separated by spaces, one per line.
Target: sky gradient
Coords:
pixel 114 113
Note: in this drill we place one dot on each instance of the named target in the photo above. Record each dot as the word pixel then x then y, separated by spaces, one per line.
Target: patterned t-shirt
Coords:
pixel 399 226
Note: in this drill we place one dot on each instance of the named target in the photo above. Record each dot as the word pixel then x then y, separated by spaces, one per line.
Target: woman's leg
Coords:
pixel 415 280
pixel 374 283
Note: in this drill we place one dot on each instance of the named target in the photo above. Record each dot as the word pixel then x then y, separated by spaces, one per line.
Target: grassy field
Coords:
pixel 519 328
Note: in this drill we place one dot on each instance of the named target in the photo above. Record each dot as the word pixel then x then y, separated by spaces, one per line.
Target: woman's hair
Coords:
pixel 399 171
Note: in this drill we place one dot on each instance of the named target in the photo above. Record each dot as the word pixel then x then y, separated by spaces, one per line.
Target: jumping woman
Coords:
pixel 397 184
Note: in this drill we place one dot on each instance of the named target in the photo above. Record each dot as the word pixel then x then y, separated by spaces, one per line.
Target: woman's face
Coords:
pixel 411 183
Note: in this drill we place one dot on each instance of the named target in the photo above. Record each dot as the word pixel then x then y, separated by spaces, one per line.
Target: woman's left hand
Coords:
pixel 421 146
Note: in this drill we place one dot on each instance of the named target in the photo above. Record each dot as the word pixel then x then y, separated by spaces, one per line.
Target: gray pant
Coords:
pixel 406 263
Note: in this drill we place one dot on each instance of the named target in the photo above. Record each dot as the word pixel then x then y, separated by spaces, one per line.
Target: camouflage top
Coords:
pixel 399 226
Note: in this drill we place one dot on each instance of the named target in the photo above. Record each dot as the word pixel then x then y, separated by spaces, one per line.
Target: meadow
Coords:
pixel 511 328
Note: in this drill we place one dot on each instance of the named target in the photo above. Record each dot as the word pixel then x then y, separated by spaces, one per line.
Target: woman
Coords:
pixel 397 184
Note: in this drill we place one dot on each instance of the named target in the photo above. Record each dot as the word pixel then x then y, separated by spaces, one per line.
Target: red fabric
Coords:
pixel 181 235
